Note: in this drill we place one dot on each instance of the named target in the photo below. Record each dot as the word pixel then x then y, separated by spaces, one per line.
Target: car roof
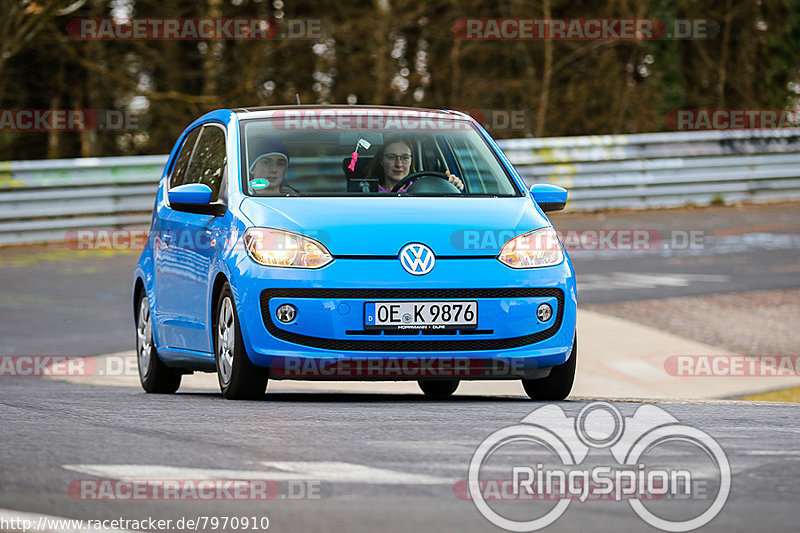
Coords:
pixel 254 112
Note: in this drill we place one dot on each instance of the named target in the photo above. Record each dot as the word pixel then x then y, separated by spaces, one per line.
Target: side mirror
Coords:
pixel 549 197
pixel 194 198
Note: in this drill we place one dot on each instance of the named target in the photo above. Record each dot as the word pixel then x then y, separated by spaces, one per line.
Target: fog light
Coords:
pixel 544 312
pixel 286 313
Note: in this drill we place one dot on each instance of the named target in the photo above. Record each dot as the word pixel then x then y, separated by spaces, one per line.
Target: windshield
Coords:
pixel 364 153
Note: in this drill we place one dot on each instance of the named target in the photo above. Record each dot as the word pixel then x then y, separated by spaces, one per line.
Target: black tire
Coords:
pixel 438 388
pixel 558 384
pixel 155 376
pixel 239 378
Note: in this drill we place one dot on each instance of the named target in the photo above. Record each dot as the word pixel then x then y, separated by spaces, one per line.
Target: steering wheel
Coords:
pixel 400 184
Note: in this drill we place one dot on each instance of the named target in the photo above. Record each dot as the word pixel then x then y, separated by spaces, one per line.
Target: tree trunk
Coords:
pixel 544 94
pixel 210 61
pixel 722 71
pixel 54 136
pixel 382 51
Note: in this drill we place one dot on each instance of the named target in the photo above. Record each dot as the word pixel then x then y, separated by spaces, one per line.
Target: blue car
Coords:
pixel 351 243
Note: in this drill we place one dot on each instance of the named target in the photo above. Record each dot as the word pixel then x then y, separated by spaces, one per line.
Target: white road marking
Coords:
pixel 645 372
pixel 335 471
pixel 771 452
pixel 632 280
pixel 330 471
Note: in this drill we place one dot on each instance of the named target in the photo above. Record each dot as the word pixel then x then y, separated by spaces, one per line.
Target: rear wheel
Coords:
pixel 438 388
pixel 558 384
pixel 239 378
pixel 155 376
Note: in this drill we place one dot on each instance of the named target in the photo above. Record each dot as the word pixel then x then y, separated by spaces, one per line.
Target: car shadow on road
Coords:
pixel 364 397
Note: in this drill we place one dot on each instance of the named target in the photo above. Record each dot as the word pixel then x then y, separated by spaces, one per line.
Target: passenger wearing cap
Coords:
pixel 269 160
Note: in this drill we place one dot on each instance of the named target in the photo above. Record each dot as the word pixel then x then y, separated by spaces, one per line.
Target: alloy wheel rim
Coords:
pixel 226 339
pixel 144 332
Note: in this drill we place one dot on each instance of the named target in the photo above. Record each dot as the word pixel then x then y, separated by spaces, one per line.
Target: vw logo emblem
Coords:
pixel 417 259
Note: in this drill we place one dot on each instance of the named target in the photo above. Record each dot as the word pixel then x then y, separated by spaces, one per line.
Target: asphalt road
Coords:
pixel 376 462
pixel 685 252
pixel 407 454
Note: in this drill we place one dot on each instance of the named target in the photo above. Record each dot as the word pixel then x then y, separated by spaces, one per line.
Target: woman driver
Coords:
pixel 394 161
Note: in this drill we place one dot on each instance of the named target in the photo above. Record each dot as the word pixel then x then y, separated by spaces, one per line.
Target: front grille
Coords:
pixel 419 344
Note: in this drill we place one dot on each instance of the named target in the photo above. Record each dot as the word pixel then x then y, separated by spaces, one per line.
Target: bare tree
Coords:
pixel 22 20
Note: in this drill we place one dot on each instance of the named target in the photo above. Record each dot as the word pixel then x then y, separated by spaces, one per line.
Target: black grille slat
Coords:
pixel 422 332
pixel 420 344
pixel 411 294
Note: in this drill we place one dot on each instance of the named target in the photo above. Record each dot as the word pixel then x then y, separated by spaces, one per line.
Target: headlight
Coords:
pixel 272 247
pixel 533 249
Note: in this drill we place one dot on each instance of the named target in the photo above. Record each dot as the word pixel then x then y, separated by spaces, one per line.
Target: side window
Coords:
pixel 178 176
pixel 476 173
pixel 209 160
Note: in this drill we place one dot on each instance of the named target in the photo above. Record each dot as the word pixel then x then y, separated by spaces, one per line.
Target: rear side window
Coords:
pixel 182 162
pixel 209 160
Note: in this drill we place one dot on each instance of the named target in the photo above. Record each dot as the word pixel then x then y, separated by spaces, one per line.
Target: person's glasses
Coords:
pixel 391 158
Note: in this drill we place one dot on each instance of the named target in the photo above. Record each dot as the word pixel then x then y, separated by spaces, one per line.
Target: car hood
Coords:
pixel 382 226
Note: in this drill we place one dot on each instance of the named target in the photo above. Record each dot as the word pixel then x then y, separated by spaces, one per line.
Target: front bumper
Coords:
pixel 329 341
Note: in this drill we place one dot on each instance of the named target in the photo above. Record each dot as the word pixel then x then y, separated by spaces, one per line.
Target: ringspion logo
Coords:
pixel 545 458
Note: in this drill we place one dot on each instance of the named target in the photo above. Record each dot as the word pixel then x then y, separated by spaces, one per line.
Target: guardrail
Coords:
pixel 40 201
pixel 664 169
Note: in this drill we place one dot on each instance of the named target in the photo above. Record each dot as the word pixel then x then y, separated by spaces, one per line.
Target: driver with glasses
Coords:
pixel 394 162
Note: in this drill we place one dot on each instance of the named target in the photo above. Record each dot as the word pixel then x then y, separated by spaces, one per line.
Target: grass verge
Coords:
pixel 791 394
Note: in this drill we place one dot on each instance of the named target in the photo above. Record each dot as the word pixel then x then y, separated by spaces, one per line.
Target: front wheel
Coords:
pixel 155 376
pixel 558 384
pixel 239 378
pixel 438 389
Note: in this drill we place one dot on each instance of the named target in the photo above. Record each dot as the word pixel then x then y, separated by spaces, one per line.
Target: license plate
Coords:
pixel 440 314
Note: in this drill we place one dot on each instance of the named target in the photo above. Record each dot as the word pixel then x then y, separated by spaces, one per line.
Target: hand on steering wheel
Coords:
pixel 452 178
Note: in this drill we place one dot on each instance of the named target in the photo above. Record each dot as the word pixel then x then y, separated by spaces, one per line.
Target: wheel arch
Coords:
pixel 138 289
pixel 216 289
